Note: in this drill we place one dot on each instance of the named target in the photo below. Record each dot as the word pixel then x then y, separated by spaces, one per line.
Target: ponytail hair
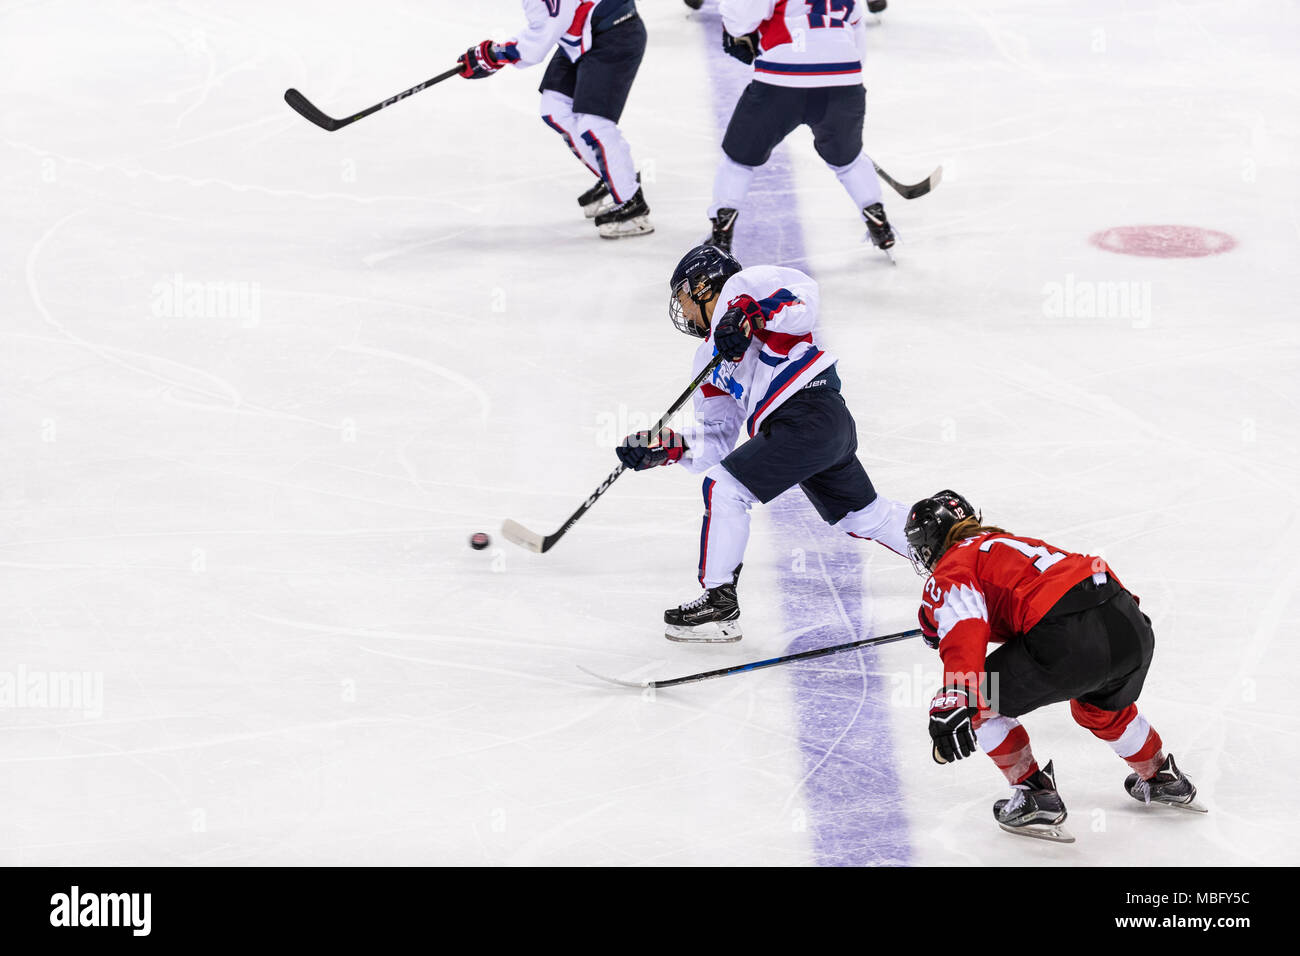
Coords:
pixel 969 528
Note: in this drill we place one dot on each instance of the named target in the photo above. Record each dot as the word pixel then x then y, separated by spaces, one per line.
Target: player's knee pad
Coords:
pixel 557 108
pixel 991 729
pixel 881 515
pixel 883 521
pixel 847 170
pixel 859 179
pixel 723 493
pixel 604 129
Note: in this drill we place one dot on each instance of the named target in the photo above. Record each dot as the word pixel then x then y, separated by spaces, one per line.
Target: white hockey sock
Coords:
pixel 730 185
pixel 860 181
pixel 881 521
pixel 725 529
pixel 557 113
pixel 606 148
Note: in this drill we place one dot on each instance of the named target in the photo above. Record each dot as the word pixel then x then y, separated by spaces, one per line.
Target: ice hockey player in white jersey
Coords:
pixel 584 89
pixel 779 386
pixel 807 59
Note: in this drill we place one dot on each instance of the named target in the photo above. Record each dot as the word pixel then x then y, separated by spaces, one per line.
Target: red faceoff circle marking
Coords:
pixel 1163 242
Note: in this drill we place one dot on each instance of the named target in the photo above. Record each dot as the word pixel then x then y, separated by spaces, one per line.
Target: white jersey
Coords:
pixel 566 22
pixel 780 360
pixel 802 43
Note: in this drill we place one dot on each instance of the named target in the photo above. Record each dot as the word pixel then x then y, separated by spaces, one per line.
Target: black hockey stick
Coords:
pixel 305 108
pixel 533 541
pixel 756 665
pixel 919 189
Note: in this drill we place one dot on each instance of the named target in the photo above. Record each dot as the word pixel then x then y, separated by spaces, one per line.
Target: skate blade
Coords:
pixel 1194 806
pixel 727 633
pixel 1052 832
pixel 594 209
pixel 889 254
pixel 640 226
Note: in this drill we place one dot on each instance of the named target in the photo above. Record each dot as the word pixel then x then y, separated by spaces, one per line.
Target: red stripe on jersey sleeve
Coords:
pixel 781 342
pixel 772 32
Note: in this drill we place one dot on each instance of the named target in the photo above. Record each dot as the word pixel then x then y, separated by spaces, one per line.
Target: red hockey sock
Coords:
pixel 1128 734
pixel 1007 744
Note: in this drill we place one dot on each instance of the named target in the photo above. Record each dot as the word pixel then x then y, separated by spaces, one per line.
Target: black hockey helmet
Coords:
pixel 928 524
pixel 702 273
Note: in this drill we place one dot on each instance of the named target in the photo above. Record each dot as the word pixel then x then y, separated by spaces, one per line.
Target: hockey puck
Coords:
pixel 479 540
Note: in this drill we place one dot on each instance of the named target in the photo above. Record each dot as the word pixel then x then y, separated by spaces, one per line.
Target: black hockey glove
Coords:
pixel 744 317
pixel 951 729
pixel 743 48
pixel 640 450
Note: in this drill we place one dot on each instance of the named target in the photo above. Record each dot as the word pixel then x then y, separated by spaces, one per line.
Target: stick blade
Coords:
pixel 308 111
pixel 516 533
pixel 636 685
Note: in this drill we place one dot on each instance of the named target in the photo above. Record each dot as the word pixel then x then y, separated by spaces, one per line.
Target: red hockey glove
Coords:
pixel 640 450
pixel 744 317
pixel 951 730
pixel 479 61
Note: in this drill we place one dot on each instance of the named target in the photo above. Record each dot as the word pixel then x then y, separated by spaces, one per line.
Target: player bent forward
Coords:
pixel 584 90
pixel 1068 630
pixel 782 387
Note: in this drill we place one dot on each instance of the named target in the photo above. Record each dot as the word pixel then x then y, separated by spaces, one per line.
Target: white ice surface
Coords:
pixel 254 526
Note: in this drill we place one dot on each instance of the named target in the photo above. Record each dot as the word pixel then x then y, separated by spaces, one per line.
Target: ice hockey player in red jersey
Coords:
pixel 1068 630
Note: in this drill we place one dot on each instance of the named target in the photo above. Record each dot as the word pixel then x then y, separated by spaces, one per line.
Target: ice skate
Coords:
pixel 1170 786
pixel 596 200
pixel 631 218
pixel 724 228
pixel 879 231
pixel 1035 809
pixel 711 618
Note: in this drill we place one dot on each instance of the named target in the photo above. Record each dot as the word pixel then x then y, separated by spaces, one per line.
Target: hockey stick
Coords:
pixel 919 189
pixel 533 541
pixel 756 665
pixel 305 108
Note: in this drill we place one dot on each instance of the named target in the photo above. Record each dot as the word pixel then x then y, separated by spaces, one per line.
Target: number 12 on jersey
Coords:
pixel 828 13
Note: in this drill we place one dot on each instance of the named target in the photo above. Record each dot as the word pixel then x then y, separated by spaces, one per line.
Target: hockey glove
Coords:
pixel 743 48
pixel 641 450
pixel 732 334
pixel 479 61
pixel 951 729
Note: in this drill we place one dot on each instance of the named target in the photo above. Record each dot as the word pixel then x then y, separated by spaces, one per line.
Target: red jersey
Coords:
pixel 993 587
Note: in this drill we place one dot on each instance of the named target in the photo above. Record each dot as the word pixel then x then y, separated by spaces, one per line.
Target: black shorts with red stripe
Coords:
pixel 810 441
pixel 1094 646
pixel 766 114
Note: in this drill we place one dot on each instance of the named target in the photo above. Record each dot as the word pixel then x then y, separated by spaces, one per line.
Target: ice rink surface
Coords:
pixel 261 382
